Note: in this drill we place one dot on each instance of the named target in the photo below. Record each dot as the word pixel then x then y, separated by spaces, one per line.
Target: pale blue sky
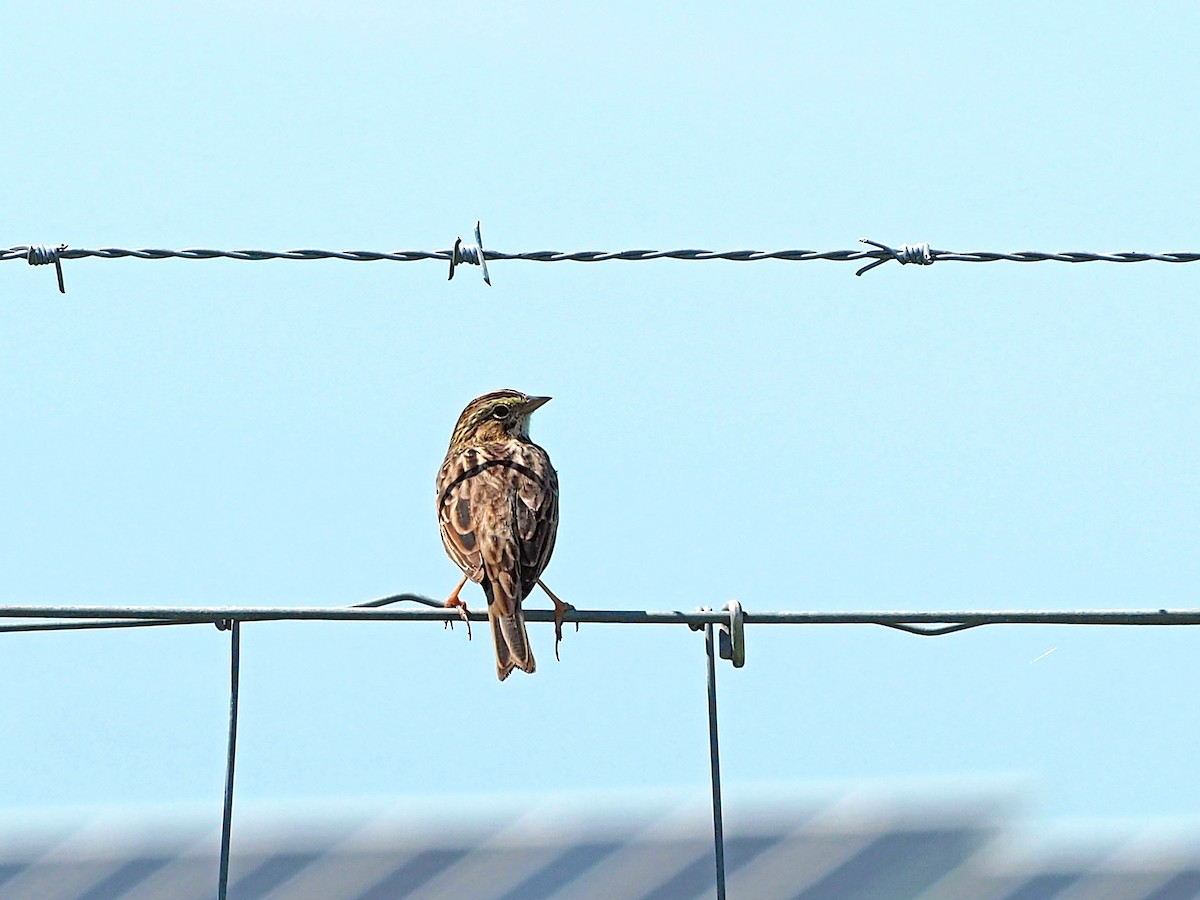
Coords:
pixel 1014 436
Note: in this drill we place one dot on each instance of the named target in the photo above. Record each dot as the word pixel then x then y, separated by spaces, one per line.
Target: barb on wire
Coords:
pixel 474 254
pixel 42 255
pixel 907 253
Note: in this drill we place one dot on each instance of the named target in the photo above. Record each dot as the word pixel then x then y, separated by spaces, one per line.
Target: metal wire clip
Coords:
pixel 470 254
pixel 731 638
pixel 43 255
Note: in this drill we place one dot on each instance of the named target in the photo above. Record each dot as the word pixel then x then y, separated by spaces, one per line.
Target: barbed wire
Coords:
pixel 475 254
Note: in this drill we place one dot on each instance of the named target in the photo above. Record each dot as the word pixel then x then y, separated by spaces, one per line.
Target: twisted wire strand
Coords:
pixel 1065 256
pixel 856 255
pixel 22 252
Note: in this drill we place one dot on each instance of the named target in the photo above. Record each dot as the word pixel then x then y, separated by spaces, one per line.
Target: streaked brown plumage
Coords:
pixel 497 499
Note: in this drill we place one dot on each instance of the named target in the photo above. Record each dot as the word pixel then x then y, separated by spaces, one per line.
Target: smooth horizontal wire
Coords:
pixel 916 622
pixel 22 252
pixel 142 623
pixel 84 626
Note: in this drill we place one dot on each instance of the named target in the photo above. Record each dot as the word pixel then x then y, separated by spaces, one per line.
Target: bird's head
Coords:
pixel 498 416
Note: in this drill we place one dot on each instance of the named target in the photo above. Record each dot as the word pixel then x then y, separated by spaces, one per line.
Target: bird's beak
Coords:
pixel 533 403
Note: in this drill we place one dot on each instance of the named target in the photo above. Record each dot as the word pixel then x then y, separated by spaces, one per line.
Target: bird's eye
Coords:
pixel 502 412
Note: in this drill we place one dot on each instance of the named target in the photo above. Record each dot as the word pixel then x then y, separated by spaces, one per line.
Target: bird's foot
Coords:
pixel 560 610
pixel 454 602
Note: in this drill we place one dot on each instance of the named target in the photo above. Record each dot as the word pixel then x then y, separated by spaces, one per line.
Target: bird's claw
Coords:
pixel 559 612
pixel 463 612
pixel 560 609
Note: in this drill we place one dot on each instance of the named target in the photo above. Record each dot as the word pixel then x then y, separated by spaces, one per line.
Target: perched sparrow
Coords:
pixel 497 499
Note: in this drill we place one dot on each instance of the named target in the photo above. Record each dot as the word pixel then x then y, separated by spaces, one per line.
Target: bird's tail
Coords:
pixel 512 641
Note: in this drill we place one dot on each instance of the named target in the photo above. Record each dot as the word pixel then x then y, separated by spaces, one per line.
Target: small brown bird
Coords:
pixel 497 499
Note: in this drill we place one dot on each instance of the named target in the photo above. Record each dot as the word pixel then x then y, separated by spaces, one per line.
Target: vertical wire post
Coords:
pixel 227 817
pixel 714 756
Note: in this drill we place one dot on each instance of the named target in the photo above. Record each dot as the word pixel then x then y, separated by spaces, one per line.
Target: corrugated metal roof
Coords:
pixel 809 853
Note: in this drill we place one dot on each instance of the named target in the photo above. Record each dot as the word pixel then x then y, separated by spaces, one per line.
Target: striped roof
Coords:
pixel 568 851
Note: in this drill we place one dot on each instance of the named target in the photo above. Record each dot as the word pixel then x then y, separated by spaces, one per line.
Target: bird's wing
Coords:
pixel 537 514
pixel 458 510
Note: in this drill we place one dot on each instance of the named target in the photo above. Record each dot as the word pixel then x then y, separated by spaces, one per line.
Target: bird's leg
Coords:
pixel 454 601
pixel 560 610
